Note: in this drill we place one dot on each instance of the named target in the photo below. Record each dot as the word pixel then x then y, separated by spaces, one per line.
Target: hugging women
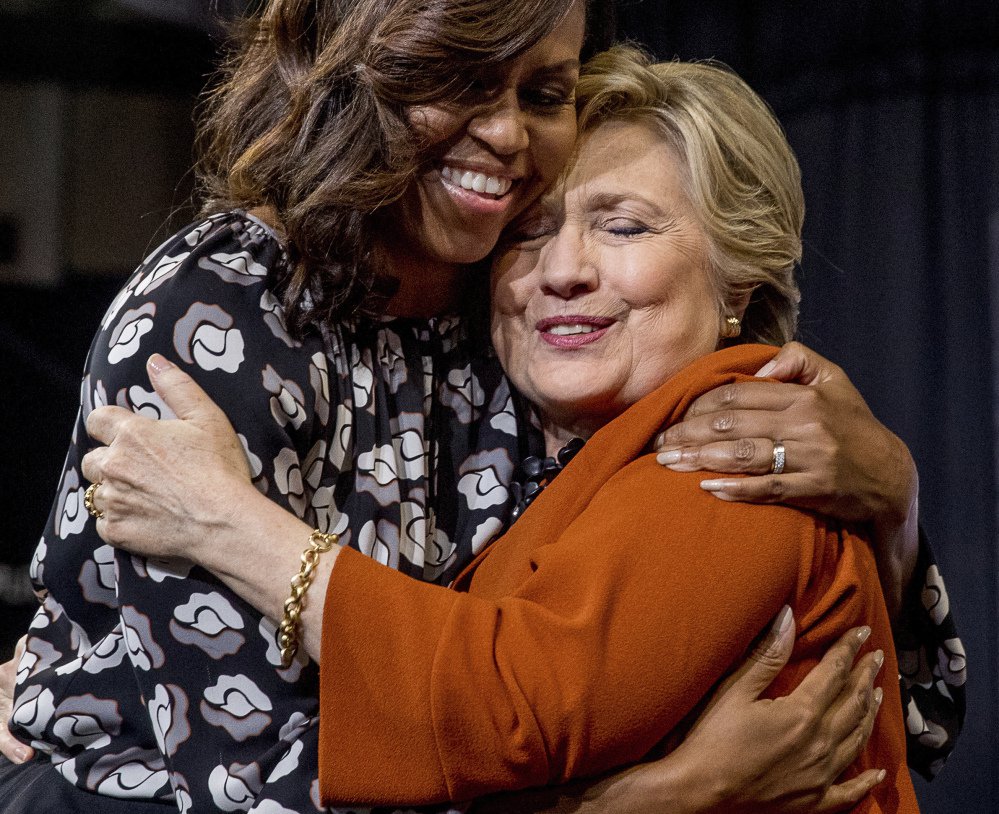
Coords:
pixel 374 153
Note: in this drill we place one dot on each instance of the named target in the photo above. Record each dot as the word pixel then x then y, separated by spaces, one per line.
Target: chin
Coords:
pixel 463 247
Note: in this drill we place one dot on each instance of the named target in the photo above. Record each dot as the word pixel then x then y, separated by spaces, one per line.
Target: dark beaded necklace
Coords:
pixel 538 473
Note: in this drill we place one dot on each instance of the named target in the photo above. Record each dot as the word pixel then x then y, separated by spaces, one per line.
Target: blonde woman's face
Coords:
pixel 495 152
pixel 604 290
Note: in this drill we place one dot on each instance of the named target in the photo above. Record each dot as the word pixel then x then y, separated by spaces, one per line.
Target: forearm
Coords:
pixel 668 785
pixel 896 535
pixel 258 551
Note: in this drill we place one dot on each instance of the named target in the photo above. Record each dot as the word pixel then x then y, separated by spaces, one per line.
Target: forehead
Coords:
pixel 624 155
pixel 559 47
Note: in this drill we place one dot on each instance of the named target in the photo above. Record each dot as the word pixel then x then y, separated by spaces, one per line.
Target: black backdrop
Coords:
pixel 893 109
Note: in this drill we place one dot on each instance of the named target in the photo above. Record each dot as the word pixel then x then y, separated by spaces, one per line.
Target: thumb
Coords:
pixel 180 392
pixel 767 658
pixel 794 363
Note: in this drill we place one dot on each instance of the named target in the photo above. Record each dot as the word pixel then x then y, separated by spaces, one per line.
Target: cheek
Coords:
pixel 510 294
pixel 552 144
pixel 434 124
pixel 511 281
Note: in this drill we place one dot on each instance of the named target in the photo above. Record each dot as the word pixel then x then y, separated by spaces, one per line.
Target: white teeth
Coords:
pixel 477 181
pixel 571 330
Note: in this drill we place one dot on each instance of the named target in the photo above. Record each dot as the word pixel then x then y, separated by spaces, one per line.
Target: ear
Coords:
pixel 730 317
pixel 738 305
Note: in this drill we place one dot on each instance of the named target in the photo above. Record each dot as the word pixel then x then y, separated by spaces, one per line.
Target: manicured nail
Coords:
pixel 717 485
pixel 159 363
pixel 21 754
pixel 881 776
pixel 879 696
pixel 863 634
pixel 667 458
pixel 766 370
pixel 780 626
pixel 783 620
pixel 879 658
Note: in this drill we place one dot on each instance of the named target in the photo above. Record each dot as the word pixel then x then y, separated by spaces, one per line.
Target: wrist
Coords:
pixel 246 523
pixel 900 503
pixel 679 784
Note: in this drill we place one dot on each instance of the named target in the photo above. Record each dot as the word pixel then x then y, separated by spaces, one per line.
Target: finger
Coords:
pixel 181 393
pixel 849 749
pixel 92 464
pixel 796 489
pixel 854 703
pixel 744 456
pixel 10 747
pixel 727 425
pixel 764 662
pixel 755 395
pixel 826 680
pixel 844 796
pixel 798 363
pixel 103 423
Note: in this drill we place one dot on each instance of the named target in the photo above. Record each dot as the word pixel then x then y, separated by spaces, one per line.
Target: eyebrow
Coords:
pixel 558 68
pixel 602 201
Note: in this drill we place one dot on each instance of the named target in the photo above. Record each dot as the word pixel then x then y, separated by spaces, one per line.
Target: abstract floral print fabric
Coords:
pixel 150 680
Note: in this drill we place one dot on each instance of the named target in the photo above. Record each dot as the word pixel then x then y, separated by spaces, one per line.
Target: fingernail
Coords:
pixel 660 440
pixel 881 776
pixel 863 634
pixel 879 658
pixel 778 629
pixel 716 485
pixel 159 363
pixel 766 370
pixel 879 696
pixel 667 458
pixel 784 619
pixel 21 754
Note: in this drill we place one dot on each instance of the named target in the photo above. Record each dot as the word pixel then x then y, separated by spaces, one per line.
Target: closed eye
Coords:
pixel 624 227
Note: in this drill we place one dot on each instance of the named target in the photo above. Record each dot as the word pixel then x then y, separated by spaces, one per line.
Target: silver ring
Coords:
pixel 778 463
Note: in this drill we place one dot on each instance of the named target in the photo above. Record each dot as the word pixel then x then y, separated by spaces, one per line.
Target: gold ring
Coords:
pixel 779 457
pixel 88 501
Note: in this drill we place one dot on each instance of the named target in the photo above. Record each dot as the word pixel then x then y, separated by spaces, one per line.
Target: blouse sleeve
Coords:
pixel 932 666
pixel 585 665
pixel 178 682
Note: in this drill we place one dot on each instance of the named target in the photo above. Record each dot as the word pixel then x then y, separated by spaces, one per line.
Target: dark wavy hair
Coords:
pixel 308 118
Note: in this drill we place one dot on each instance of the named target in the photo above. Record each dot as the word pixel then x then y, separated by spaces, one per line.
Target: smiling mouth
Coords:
pixel 492 186
pixel 572 331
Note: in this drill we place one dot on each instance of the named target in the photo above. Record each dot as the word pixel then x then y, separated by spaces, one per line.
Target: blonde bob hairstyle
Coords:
pixel 740 173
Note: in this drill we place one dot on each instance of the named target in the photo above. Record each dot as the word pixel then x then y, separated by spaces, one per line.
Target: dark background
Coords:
pixel 892 107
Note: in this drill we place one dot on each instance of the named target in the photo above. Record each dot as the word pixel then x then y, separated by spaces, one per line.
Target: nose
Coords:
pixel 501 124
pixel 568 267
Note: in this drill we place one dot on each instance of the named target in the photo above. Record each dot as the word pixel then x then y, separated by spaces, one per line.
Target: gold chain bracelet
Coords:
pixel 291 623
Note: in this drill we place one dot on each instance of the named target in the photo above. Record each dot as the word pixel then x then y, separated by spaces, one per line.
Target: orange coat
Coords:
pixel 583 637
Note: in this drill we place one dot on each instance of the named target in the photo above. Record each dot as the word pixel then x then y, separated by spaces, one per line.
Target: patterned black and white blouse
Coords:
pixel 150 681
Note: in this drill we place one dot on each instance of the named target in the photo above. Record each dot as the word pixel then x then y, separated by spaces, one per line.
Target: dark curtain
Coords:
pixel 893 110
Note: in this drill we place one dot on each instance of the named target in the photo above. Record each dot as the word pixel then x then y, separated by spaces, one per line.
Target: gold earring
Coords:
pixel 732 327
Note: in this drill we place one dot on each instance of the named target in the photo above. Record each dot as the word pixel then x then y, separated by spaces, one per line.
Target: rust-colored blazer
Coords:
pixel 580 640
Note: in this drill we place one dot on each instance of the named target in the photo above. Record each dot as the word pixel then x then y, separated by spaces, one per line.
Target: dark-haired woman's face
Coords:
pixel 493 153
